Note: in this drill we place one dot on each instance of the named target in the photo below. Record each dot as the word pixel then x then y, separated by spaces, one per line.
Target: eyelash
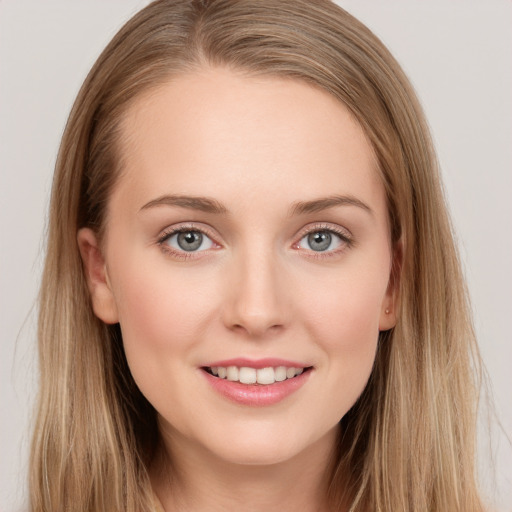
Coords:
pixel 346 240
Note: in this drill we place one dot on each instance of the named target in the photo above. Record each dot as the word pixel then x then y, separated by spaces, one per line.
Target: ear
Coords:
pixel 388 313
pixel 102 298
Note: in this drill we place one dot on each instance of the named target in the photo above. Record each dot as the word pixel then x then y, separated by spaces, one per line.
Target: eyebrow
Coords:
pixel 204 204
pixel 209 205
pixel 325 203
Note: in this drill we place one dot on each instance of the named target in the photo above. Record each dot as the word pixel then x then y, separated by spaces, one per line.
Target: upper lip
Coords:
pixel 257 363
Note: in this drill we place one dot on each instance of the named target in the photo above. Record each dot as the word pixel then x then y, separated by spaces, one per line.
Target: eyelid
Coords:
pixel 186 226
pixel 344 233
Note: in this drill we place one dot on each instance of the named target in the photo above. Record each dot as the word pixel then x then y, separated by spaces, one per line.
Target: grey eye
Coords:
pixel 189 241
pixel 320 241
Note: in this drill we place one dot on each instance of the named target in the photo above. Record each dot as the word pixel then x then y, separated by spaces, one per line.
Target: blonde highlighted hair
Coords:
pixel 408 442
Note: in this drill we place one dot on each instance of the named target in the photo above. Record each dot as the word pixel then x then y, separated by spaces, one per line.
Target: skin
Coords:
pixel 258 146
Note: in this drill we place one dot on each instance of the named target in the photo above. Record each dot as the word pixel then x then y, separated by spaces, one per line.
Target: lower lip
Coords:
pixel 257 395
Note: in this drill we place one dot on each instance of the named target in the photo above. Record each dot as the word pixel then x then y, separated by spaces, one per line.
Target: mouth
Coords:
pixel 254 376
pixel 257 382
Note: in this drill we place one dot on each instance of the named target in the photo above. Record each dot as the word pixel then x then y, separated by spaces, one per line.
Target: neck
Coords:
pixel 189 477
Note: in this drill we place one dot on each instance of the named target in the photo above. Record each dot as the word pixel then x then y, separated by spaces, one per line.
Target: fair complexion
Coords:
pixel 248 222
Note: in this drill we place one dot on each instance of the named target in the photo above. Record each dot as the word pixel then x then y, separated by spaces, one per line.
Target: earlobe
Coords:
pixel 387 318
pixel 388 314
pixel 102 298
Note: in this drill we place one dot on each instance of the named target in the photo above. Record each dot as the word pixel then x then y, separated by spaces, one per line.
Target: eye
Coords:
pixel 188 240
pixel 322 241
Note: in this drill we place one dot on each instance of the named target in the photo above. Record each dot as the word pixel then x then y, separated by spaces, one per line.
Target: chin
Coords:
pixel 267 447
pixel 257 455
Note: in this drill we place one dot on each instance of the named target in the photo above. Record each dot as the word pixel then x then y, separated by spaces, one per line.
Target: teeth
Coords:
pixel 280 373
pixel 232 373
pixel 247 375
pixel 265 376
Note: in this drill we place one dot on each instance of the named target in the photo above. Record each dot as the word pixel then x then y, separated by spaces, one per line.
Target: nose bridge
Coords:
pixel 256 302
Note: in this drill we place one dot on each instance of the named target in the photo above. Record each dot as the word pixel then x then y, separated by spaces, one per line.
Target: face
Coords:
pixel 246 239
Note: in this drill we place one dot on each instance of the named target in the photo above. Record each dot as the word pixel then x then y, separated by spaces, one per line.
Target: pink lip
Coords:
pixel 256 395
pixel 258 363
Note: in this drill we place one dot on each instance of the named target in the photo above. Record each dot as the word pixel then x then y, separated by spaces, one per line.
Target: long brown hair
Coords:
pixel 408 442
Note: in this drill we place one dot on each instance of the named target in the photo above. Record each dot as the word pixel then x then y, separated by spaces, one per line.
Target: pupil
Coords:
pixel 190 240
pixel 319 241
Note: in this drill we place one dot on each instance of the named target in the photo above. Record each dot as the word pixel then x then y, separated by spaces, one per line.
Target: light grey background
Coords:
pixel 458 55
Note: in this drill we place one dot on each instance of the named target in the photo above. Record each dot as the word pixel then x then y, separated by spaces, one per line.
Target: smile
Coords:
pixel 256 383
pixel 248 375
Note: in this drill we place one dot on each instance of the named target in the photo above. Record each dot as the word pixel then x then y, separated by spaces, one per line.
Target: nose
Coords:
pixel 256 303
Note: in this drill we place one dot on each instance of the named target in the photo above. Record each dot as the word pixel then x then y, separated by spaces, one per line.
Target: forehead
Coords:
pixel 215 131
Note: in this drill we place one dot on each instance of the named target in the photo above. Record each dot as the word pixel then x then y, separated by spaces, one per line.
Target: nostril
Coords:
pixel 257 329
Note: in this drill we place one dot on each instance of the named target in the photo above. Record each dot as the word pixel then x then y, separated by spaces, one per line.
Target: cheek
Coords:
pixel 344 321
pixel 163 316
pixel 347 311
pixel 161 310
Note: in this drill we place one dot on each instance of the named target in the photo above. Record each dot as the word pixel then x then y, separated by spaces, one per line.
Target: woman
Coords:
pixel 251 295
